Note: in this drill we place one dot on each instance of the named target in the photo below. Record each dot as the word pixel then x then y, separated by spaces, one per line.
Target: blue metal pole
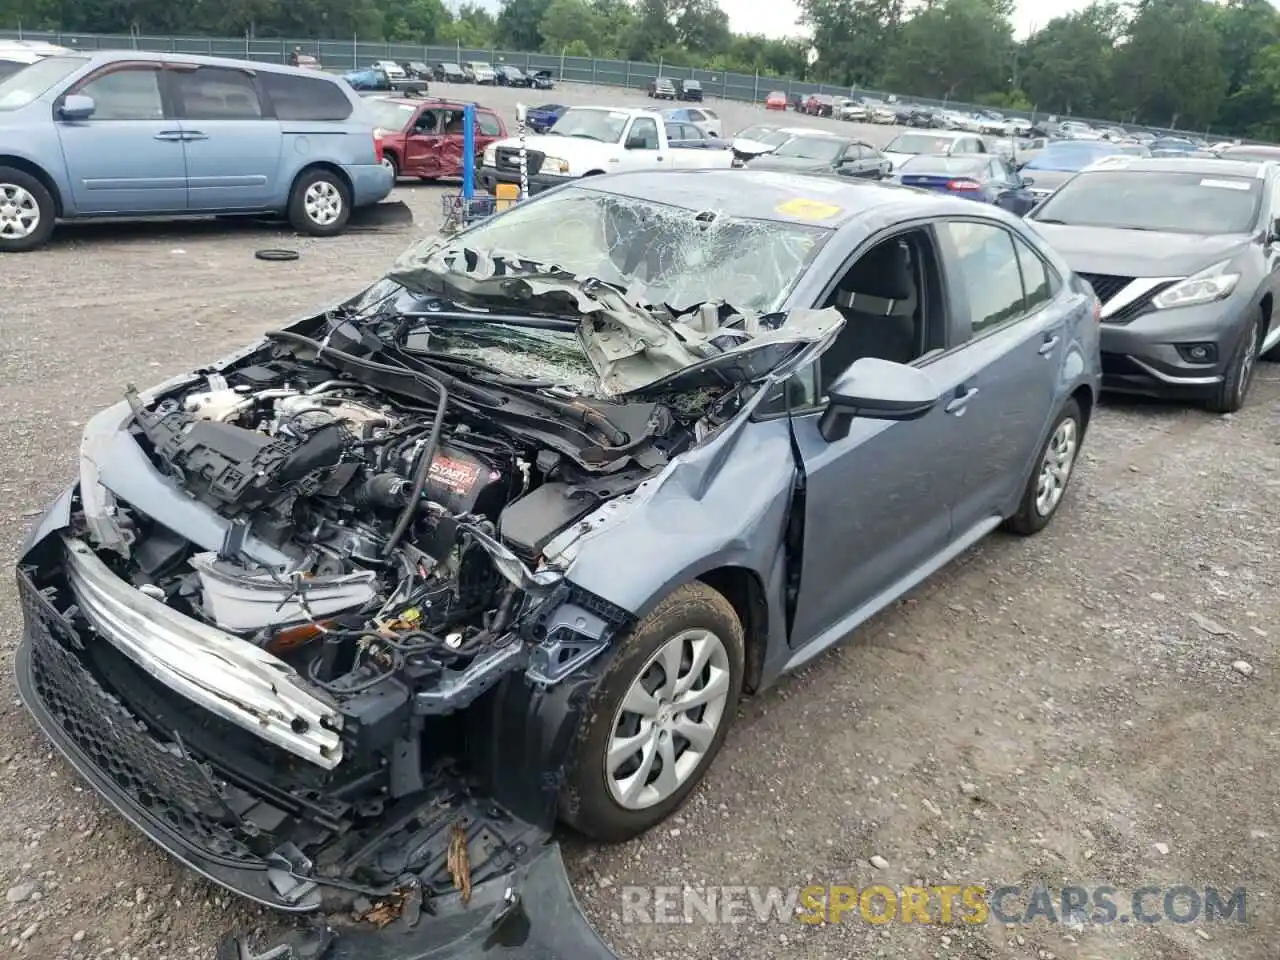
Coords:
pixel 468 152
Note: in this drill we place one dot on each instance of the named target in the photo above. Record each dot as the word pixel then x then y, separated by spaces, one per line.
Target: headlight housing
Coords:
pixel 490 158
pixel 554 165
pixel 1213 283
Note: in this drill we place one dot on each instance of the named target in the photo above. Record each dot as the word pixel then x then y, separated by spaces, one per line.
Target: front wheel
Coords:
pixel 26 212
pixel 1231 393
pixel 658 717
pixel 1047 484
pixel 320 204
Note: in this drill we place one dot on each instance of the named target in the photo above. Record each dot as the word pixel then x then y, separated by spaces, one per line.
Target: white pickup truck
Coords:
pixel 586 141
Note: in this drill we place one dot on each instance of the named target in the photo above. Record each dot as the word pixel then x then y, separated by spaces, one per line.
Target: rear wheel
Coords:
pixel 391 163
pixel 657 718
pixel 1047 484
pixel 320 204
pixel 27 212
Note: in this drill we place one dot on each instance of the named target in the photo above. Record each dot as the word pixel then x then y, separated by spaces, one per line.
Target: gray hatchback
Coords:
pixel 137 134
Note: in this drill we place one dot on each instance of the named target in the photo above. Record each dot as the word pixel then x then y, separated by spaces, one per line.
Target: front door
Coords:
pixel 424 144
pixel 1003 379
pixel 233 149
pixel 643 148
pixel 127 158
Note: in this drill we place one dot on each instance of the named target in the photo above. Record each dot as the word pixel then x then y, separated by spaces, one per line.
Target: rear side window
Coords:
pixel 489 125
pixel 1038 279
pixel 215 93
pixel 305 98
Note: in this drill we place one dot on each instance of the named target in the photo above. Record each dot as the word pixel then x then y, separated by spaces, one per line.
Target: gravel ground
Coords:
pixel 1062 709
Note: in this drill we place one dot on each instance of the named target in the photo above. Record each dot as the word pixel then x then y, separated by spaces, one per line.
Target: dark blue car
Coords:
pixel 986 179
pixel 541 119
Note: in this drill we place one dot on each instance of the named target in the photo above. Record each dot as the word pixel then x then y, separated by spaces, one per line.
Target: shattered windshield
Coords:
pixel 811 148
pixel 661 254
pixel 591 123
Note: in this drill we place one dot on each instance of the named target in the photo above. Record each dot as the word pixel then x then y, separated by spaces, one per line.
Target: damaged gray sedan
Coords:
pixel 347 621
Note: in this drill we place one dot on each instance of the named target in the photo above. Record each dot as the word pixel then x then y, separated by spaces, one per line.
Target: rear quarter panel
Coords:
pixel 346 144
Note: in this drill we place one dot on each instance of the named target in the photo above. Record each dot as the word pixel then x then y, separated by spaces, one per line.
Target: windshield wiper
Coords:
pixel 588 136
pixel 529 320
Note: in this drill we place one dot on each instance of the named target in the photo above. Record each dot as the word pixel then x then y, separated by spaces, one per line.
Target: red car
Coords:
pixel 423 137
pixel 776 101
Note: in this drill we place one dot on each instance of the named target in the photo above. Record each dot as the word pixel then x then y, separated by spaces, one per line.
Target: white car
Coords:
pixel 586 141
pixel 16 54
pixel 392 69
pixel 943 143
pixel 480 72
pixel 753 141
pixel 708 121
pixel 857 110
pixel 883 113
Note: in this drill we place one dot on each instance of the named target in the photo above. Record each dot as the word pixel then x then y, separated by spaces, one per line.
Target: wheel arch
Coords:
pixel 327 165
pixel 745 592
pixel 1084 398
pixel 39 173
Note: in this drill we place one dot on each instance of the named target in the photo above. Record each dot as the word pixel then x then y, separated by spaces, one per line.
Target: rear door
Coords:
pixel 1006 365
pixel 232 140
pixel 128 157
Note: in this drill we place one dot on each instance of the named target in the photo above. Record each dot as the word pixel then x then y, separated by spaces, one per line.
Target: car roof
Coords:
pixel 433 102
pixel 775 195
pixel 98 57
pixel 940 134
pixel 1204 165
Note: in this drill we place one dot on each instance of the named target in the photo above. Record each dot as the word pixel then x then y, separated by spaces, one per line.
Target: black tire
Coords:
pixel 302 221
pixel 1272 355
pixel 46 210
pixel 1029 517
pixel 587 803
pixel 1231 393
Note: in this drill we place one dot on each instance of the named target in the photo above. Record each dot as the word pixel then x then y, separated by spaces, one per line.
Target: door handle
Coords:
pixel 194 135
pixel 1046 348
pixel 171 135
pixel 957 405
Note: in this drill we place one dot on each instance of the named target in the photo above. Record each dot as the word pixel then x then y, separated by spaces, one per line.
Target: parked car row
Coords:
pixel 674 88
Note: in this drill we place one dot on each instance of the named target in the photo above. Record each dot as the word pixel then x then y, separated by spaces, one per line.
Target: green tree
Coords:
pixel 1169 69
pixel 955 49
pixel 1066 67
pixel 518 23
pixel 854 38
pixel 571 22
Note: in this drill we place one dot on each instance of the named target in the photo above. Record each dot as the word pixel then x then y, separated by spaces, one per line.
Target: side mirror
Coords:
pixel 77 107
pixel 877 390
pixel 636 142
pixel 1273 232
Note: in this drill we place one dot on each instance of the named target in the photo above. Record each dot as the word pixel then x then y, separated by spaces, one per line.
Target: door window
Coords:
pixel 429 122
pixel 694 115
pixel 216 93
pixel 129 94
pixel 988 268
pixel 489 125
pixel 646 131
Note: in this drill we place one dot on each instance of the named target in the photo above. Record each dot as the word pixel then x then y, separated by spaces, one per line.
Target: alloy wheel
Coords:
pixel 19 212
pixel 668 720
pixel 1055 467
pixel 323 203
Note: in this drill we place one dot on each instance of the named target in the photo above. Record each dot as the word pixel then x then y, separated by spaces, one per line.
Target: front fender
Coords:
pixel 723 505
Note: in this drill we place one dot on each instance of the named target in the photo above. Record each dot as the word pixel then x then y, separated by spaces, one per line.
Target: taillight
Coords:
pixel 963 186
pixel 377 145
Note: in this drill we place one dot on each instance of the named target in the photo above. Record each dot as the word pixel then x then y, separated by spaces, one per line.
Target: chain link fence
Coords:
pixel 342 55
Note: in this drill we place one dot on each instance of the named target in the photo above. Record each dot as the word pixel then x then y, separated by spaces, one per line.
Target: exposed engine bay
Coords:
pixel 404 505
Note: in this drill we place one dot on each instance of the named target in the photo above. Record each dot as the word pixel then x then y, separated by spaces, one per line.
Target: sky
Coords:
pixel 778 19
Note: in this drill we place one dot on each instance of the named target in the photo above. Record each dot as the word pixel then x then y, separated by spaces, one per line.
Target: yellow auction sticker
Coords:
pixel 803 209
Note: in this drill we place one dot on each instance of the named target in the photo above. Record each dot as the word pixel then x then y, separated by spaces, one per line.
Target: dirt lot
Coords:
pixel 1060 710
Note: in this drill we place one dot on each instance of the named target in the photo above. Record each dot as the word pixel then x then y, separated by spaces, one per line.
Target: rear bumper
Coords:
pixel 1148 355
pixel 370 183
pixel 490 177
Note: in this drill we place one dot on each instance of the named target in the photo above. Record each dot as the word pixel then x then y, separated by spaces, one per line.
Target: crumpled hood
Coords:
pixel 1136 253
pixel 632 346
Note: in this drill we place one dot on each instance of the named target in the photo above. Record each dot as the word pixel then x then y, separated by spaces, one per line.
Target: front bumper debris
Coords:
pixel 531 914
pixel 225 675
pixel 520 905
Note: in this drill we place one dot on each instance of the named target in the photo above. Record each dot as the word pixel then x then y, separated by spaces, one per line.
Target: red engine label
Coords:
pixel 458 475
